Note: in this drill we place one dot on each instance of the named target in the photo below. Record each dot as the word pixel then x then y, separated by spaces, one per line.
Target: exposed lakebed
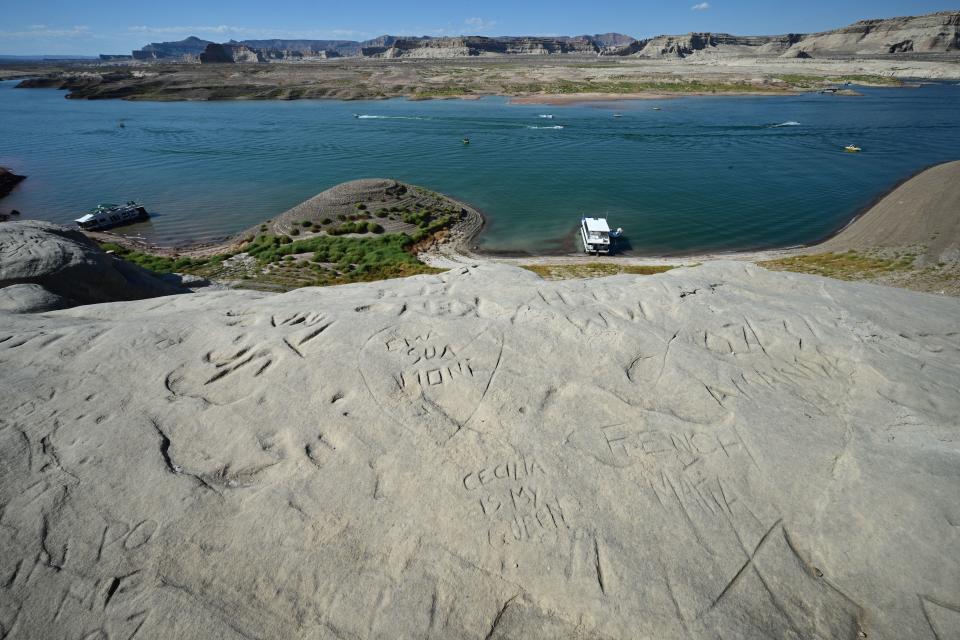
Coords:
pixel 700 174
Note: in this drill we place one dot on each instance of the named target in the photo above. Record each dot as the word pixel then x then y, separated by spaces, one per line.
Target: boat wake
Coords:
pixel 369 117
pixel 556 126
pixel 791 123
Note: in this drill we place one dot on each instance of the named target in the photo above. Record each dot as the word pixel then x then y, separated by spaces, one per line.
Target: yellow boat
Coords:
pixel 850 148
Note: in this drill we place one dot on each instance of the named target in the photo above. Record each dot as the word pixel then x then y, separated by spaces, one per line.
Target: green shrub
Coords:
pixel 373 227
pixel 157 264
pixel 295 232
pixel 326 221
pixel 361 206
pixel 306 223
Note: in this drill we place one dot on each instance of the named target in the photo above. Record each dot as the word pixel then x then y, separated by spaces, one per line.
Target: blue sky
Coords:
pixel 106 26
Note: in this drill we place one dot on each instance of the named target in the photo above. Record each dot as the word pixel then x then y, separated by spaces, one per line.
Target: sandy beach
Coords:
pixel 579 98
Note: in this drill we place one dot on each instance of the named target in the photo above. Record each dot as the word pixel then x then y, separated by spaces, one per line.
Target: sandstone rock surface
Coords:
pixel 69 266
pixel 931 33
pixel 713 452
pixel 924 211
pixel 935 32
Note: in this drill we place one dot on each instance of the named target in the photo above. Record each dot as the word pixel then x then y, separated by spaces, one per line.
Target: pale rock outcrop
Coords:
pixel 229 53
pixel 932 33
pixel 30 298
pixel 69 267
pixel 719 451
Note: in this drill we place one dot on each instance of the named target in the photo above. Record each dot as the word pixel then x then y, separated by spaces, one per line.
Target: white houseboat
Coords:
pixel 104 216
pixel 597 236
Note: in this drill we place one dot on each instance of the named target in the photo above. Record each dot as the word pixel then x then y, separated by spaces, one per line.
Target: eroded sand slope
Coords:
pixel 712 452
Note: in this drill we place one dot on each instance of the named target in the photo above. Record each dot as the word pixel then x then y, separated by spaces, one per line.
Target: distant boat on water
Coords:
pixel 548 116
pixel 852 148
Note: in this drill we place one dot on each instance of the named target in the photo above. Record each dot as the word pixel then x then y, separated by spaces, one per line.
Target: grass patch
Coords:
pixel 424 93
pixel 849 265
pixel 593 270
pixel 868 80
pixel 801 80
pixel 158 264
pixel 678 86
pixel 354 259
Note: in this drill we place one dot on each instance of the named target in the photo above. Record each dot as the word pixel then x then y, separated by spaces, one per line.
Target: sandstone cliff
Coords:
pixel 682 46
pixel 932 33
pixel 481 46
pixel 938 32
pixel 189 48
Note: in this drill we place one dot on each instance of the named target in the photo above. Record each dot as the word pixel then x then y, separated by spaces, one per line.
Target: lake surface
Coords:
pixel 701 174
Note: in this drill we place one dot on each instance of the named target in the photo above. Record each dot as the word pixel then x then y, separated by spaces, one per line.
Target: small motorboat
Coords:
pixel 104 216
pixel 657 109
pixel 466 141
pixel 852 148
pixel 548 116
pixel 618 115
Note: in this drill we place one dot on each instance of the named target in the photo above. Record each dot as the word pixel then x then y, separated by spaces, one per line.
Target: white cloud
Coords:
pixel 249 33
pixel 217 30
pixel 703 6
pixel 348 33
pixel 43 31
pixel 479 24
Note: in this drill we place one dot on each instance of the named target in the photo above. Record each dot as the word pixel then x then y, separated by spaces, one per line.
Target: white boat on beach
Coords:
pixel 104 216
pixel 597 236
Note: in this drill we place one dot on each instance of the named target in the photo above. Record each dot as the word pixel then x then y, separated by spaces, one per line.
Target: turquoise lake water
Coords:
pixel 701 174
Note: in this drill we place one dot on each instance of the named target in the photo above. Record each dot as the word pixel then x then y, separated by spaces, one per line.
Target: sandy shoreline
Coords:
pixel 930 220
pixel 457 245
pixel 578 98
